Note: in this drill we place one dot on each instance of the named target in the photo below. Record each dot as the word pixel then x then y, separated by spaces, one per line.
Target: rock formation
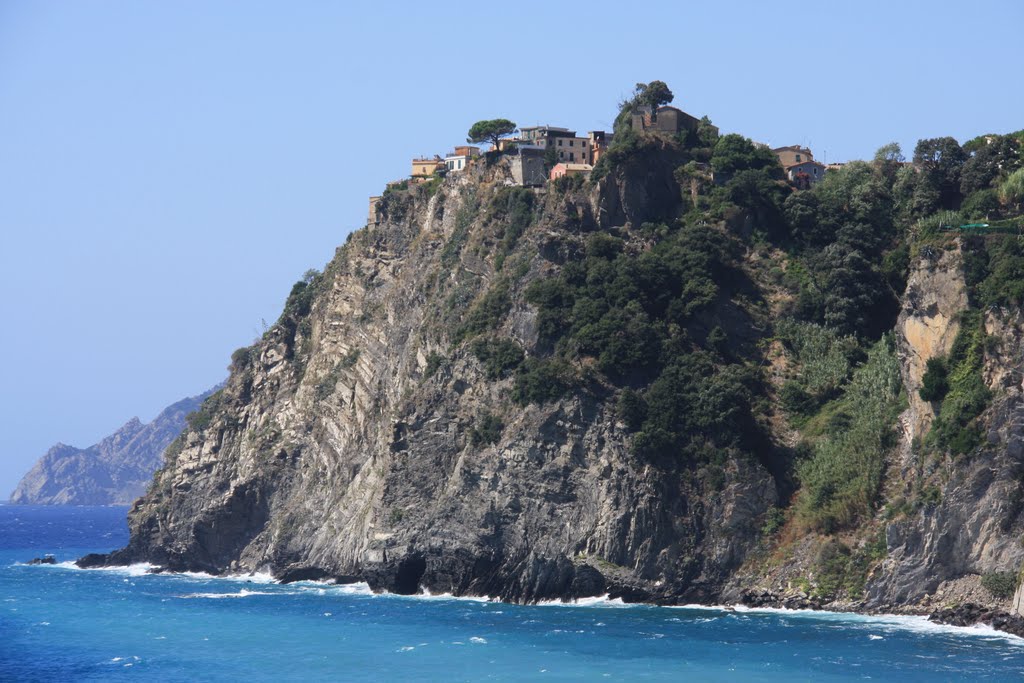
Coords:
pixel 115 471
pixel 356 440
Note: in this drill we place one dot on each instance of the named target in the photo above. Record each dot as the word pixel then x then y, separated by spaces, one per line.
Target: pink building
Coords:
pixel 564 169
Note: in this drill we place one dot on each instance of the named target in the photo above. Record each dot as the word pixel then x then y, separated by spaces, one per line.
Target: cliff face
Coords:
pixel 974 524
pixel 115 471
pixel 347 448
pixel 353 441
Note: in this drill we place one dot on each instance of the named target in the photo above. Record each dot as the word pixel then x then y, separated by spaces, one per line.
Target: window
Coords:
pixel 570 142
pixel 571 157
pixel 559 142
pixel 798 158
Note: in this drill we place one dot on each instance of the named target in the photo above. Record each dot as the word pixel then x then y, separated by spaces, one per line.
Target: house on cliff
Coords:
pixel 799 164
pixel 568 146
pixel 669 120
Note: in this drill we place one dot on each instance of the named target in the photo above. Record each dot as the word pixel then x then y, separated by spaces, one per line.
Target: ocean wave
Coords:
pixel 216 596
pixel 883 622
pixel 594 601
pixel 425 594
pixel 139 569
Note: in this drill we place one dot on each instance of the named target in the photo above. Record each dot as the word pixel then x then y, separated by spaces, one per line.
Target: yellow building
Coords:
pixel 424 168
pixel 792 155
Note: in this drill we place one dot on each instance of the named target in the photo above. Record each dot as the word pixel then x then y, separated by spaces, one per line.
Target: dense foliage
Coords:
pixel 658 317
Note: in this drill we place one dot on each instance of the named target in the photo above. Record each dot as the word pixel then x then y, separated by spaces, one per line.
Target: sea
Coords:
pixel 61 623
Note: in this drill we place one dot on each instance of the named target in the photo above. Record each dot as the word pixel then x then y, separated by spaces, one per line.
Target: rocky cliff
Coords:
pixel 397 426
pixel 115 471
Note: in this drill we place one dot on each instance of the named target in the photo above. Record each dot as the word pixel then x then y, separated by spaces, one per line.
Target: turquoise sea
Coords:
pixel 59 623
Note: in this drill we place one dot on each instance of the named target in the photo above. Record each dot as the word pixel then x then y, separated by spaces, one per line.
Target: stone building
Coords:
pixel 569 147
pixel 664 120
pixel 527 165
pixel 373 218
pixel 600 141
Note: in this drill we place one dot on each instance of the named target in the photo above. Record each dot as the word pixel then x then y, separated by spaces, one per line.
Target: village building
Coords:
pixel 561 170
pixel 599 144
pixel 527 165
pixel 569 147
pixel 793 154
pixel 461 157
pixel 805 173
pixel 799 164
pixel 665 119
pixel 425 168
pixel 374 217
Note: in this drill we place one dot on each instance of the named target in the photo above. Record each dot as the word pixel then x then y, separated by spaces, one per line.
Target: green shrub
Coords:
pixel 242 358
pixel 695 409
pixel 935 383
pixel 541 381
pixel 955 427
pixel 500 357
pixel 842 478
pixel 632 409
pixel 774 520
pixel 487 430
pixel 434 363
pixel 1001 585
pixel 512 207
pixel 201 418
pixel 796 400
pixel 822 355
pixel 487 313
pixel 1004 285
pixel 981 205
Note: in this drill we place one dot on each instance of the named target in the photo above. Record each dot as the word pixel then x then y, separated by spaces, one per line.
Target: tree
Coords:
pixel 888 159
pixel 734 153
pixel 1011 192
pixel 491 131
pixel 998 156
pixel 941 161
pixel 653 94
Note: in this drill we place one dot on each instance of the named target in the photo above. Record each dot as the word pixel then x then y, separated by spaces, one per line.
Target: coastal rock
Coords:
pixel 333 452
pixel 971 614
pixel 115 471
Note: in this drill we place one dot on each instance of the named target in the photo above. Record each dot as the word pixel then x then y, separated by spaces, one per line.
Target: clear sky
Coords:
pixel 169 169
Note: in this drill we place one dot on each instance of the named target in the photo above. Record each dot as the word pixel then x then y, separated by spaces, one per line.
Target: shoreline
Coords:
pixel 966 619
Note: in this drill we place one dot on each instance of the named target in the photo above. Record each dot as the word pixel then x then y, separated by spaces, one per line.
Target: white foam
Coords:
pixel 425 594
pixel 215 596
pixel 903 622
pixel 594 601
pixel 139 569
pixel 252 577
pixel 478 640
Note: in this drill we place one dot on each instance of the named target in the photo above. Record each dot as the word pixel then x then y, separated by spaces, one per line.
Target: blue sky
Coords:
pixel 168 170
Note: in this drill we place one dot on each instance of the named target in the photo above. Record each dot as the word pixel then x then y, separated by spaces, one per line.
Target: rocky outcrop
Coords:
pixel 341 445
pixel 344 444
pixel 927 326
pixel 974 525
pixel 115 471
